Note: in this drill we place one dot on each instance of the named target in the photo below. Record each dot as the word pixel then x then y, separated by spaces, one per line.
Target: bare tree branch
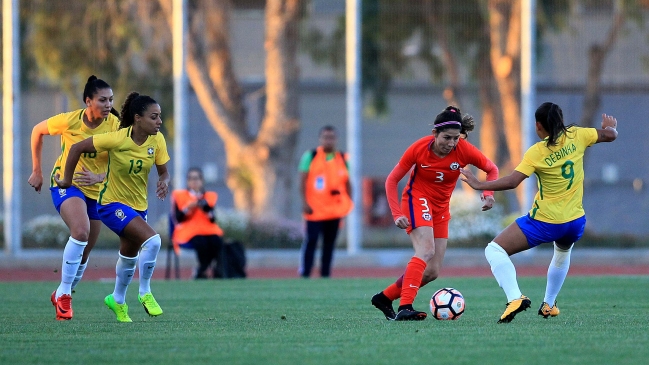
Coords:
pixel 597 55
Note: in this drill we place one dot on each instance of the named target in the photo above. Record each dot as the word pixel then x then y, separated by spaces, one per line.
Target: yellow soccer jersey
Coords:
pixel 560 173
pixel 72 130
pixel 129 166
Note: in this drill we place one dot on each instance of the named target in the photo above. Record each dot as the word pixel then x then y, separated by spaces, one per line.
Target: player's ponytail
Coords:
pixel 550 116
pixel 449 118
pixel 134 104
pixel 92 87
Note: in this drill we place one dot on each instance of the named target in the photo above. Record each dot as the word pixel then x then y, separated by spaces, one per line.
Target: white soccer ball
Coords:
pixel 447 303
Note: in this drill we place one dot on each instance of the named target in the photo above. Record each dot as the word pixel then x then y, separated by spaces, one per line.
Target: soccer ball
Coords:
pixel 447 303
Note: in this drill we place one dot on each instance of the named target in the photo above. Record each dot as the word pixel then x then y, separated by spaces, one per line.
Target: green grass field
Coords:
pixel 603 321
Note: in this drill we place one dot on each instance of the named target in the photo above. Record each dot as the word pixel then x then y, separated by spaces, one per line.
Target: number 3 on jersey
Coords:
pixel 424 203
pixel 425 211
pixel 138 166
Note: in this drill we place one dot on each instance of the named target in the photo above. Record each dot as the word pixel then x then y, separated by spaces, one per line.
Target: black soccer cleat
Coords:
pixel 382 303
pixel 410 315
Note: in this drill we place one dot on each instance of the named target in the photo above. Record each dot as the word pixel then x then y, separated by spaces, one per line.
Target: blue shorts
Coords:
pixel 61 195
pixel 117 216
pixel 564 234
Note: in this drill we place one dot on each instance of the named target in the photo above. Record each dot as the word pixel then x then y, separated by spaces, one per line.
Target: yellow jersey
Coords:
pixel 129 166
pixel 560 173
pixel 72 130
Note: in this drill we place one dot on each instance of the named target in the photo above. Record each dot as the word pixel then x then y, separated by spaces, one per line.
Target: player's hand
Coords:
pixel 36 181
pixel 86 177
pixel 608 121
pixel 307 209
pixel 488 202
pixel 469 178
pixel 402 222
pixel 162 189
pixel 63 184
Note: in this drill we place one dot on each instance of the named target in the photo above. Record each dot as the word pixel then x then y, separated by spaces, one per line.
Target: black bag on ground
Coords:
pixel 233 260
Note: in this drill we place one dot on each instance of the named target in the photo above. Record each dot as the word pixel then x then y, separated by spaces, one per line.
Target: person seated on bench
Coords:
pixel 195 223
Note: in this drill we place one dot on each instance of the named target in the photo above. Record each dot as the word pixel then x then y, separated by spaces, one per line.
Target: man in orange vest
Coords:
pixel 326 194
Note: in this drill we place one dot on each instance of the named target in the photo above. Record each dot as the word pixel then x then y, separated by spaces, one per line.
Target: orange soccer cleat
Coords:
pixel 63 305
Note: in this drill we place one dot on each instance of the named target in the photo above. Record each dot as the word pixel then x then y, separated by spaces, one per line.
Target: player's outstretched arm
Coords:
pixel 608 133
pixel 504 183
pixel 73 159
pixel 86 177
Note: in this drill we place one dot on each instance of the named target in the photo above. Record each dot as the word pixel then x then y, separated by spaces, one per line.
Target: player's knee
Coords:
pixel 561 255
pixel 80 233
pixel 429 276
pixel 563 246
pixel 153 243
pixel 493 252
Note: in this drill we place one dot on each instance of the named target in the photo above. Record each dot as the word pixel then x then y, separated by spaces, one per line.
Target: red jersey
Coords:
pixel 433 177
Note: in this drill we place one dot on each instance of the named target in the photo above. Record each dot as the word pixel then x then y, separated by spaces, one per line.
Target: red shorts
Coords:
pixel 421 214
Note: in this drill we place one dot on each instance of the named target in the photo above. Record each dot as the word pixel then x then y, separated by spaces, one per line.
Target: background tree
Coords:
pixel 386 27
pixel 597 54
pixel 122 42
pixel 64 43
pixel 260 166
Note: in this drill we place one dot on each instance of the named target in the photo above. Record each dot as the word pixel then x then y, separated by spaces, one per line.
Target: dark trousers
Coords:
pixel 208 250
pixel 329 231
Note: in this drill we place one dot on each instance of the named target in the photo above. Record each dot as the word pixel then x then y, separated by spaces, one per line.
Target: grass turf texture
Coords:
pixel 603 321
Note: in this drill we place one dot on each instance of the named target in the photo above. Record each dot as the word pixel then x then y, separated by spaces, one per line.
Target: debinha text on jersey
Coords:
pixel 558 155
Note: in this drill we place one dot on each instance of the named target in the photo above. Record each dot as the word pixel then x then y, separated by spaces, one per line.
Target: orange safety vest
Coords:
pixel 325 177
pixel 197 222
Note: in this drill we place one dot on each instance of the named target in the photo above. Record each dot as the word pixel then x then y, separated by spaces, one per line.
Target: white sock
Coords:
pixel 503 269
pixel 79 275
pixel 124 270
pixel 557 272
pixel 148 256
pixel 72 255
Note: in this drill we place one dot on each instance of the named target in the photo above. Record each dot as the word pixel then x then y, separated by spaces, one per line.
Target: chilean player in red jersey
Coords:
pixel 434 162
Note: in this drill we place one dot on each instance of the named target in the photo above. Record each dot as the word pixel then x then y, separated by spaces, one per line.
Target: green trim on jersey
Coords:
pixel 536 207
pixel 101 193
pixel 54 170
pixel 538 178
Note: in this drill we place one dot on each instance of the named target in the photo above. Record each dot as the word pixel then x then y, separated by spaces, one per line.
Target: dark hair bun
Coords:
pixel 92 78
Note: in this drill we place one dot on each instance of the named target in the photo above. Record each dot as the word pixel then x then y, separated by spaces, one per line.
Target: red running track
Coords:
pixel 107 273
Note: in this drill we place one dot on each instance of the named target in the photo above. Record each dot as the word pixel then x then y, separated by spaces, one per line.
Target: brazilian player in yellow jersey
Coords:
pixel 132 152
pixel 557 214
pixel 77 204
